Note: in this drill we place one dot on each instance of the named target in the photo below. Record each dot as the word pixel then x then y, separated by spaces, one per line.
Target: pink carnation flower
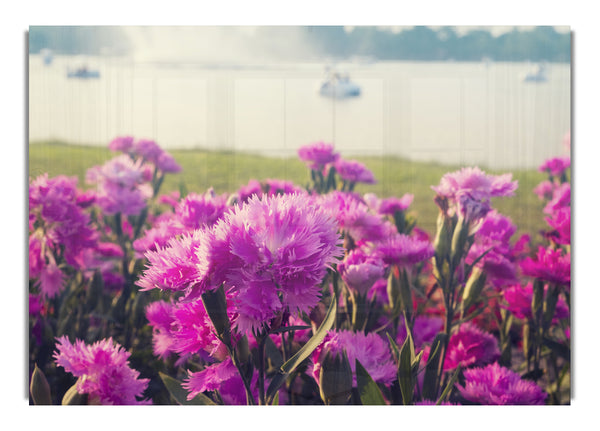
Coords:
pixel 549 265
pixel 121 143
pixel 556 166
pixel 497 385
pixel 196 211
pixel 544 190
pixel 404 250
pixel 371 350
pixel 354 171
pixel 424 330
pixel 561 198
pixel 103 371
pixel 471 346
pixel 318 155
pixel 560 221
pixel 518 301
pixel 360 271
pixel 470 190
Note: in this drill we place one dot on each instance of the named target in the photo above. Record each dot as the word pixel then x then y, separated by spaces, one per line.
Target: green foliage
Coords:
pixel 369 392
pixel 180 394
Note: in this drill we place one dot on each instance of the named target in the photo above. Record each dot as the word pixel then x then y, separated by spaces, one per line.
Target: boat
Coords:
pixel 47 56
pixel 536 75
pixel 83 73
pixel 339 86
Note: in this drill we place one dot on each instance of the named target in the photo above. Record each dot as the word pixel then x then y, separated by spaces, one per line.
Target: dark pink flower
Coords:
pixel 371 350
pixel 360 271
pixel 196 211
pixel 161 318
pixel 471 346
pixel 556 166
pixel 403 250
pixel 544 190
pixel 318 155
pixel 424 330
pixel 561 198
pixel 210 378
pixel 518 301
pixel 549 265
pixel 496 385
pixel 354 171
pixel 103 371
pixel 560 221
pixel 470 189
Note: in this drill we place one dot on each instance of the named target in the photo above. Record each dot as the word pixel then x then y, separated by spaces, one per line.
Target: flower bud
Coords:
pixel 473 288
pixel 74 398
pixel 335 379
pixel 39 388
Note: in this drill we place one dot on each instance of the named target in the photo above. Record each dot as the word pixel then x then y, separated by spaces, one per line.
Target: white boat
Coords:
pixel 339 86
pixel 537 75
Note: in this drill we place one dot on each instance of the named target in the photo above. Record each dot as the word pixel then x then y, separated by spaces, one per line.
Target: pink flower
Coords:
pixel 544 190
pixel 561 198
pixel 121 143
pixel 560 221
pixel 496 385
pixel 160 318
pixel 354 171
pixel 318 155
pixel 103 371
pixel 518 301
pixel 196 211
pixel 471 346
pixel 166 163
pixel 148 149
pixel 470 189
pixel 371 350
pixel 424 330
pixel 360 271
pixel 404 250
pixel 549 265
pixel 556 166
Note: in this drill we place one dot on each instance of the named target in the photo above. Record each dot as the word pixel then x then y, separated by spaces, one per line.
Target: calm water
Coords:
pixel 466 113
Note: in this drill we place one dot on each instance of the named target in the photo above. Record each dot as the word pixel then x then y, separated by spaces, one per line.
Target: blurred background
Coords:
pixel 498 97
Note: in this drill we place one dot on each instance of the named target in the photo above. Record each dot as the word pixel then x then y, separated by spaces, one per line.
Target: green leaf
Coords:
pixel 405 369
pixel 370 394
pixel 275 400
pixel 449 386
pixel 335 379
pixel 394 346
pixel 39 388
pixel 180 394
pixel 430 389
pixel 287 368
pixel 215 304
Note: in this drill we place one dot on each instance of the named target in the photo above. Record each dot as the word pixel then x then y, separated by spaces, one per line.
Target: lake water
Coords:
pixel 461 113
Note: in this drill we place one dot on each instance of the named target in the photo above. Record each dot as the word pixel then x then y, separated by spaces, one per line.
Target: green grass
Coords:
pixel 227 171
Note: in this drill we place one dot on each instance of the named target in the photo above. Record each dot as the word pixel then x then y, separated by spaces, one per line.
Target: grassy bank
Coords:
pixel 227 171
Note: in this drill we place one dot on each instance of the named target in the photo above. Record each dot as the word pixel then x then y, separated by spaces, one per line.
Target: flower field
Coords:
pixel 288 292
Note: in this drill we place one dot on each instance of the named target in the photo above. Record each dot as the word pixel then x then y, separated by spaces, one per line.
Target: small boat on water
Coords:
pixel 339 86
pixel 537 75
pixel 83 73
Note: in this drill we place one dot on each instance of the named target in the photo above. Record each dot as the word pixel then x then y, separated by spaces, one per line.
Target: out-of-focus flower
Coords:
pixel 121 143
pixel 370 349
pixel 160 318
pixel 561 198
pixel 560 221
pixel 360 271
pixel 518 301
pixel 404 250
pixel 544 190
pixel 388 206
pixel 549 265
pixel 354 171
pixel 156 238
pixel 470 346
pixel 497 385
pixel 424 330
pixel 318 155
pixel 470 189
pixel 166 163
pixel 121 186
pixel 355 218
pixel 103 371
pixel 196 211
pixel 556 166
pixel 148 149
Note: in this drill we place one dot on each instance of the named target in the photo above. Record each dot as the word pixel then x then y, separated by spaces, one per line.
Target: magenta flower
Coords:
pixel 360 271
pixel 470 189
pixel 388 206
pixel 148 150
pixel 103 371
pixel 424 330
pixel 549 265
pixel 497 385
pixel 280 187
pixel 404 250
pixel 561 198
pixel 210 378
pixel 121 143
pixel 518 301
pixel 196 211
pixel 121 186
pixel 174 267
pixel 160 318
pixel 355 218
pixel 156 237
pixel 371 350
pixel 560 221
pixel 273 252
pixel 354 171
pixel 166 163
pixel 544 190
pixel 556 166
pixel 318 155
pixel 471 346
